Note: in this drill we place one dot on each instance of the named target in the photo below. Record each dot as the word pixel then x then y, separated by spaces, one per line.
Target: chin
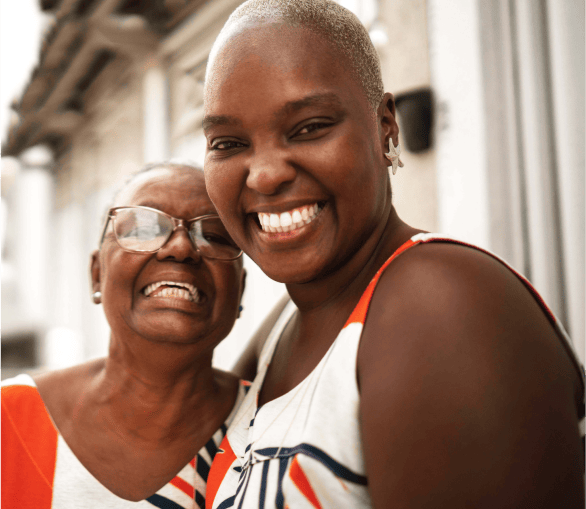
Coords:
pixel 291 275
pixel 173 333
pixel 171 337
pixel 293 267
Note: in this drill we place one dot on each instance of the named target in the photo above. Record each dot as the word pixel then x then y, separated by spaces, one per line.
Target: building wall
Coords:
pixel 106 149
pixel 504 74
pixel 406 66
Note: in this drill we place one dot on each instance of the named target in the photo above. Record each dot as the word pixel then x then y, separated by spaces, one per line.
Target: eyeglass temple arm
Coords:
pixel 108 217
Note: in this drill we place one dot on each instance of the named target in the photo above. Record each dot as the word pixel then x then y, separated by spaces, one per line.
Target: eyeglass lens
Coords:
pixel 147 230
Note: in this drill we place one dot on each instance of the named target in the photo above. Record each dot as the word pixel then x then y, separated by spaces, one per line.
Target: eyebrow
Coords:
pixel 328 99
pixel 215 120
pixel 150 204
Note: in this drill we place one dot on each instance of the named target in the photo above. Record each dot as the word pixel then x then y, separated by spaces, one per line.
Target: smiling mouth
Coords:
pixel 288 221
pixel 173 290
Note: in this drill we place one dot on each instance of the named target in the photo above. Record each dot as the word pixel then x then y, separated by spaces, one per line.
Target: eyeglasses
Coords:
pixel 146 230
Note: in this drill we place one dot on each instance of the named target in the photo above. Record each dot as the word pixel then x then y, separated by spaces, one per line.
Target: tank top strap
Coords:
pixel 360 312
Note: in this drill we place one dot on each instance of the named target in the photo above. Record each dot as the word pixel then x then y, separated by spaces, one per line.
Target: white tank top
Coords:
pixel 304 449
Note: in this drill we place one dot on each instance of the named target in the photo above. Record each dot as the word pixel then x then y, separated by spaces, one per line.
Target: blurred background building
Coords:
pixel 490 100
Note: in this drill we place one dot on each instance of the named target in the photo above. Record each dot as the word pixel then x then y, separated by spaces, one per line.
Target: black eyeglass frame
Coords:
pixel 185 223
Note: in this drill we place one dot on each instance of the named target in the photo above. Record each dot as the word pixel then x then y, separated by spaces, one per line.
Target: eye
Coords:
pixel 313 127
pixel 218 239
pixel 143 232
pixel 221 144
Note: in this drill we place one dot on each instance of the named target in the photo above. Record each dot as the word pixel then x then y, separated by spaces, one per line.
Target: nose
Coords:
pixel 179 248
pixel 270 177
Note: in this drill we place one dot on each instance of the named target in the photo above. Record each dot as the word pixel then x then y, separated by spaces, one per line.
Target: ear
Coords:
pixel 389 129
pixel 95 271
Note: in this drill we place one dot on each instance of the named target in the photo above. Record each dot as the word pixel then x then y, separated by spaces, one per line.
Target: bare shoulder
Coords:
pixel 458 294
pixel 461 363
pixel 245 367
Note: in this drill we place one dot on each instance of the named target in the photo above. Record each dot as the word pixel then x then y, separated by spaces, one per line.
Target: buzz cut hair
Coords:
pixel 129 179
pixel 339 26
pixel 169 164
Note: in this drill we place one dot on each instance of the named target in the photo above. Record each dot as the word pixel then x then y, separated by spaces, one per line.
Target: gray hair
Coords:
pixel 170 163
pixel 336 24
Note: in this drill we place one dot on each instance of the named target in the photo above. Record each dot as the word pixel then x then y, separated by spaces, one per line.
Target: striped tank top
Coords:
pixel 40 471
pixel 304 449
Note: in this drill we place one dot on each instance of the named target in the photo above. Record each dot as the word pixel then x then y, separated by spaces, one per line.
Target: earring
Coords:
pixel 97 296
pixel 393 156
pixel 240 308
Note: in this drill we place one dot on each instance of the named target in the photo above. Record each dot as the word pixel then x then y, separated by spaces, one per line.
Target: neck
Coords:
pixel 340 289
pixel 157 391
pixel 158 364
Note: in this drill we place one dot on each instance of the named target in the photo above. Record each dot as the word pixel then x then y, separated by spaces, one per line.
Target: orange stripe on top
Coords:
pixel 29 449
pixel 183 485
pixel 358 315
pixel 222 462
pixel 300 480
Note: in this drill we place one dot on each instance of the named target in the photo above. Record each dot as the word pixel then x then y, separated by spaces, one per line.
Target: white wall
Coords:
pixel 462 187
pixel 567 58
pixel 509 83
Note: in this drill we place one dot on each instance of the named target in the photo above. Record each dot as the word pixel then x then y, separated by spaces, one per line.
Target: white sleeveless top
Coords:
pixel 304 449
pixel 40 470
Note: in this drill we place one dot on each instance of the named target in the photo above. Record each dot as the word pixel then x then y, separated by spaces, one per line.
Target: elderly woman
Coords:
pixel 136 425
pixel 411 370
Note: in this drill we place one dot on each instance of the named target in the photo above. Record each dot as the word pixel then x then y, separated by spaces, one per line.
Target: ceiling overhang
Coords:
pixel 86 36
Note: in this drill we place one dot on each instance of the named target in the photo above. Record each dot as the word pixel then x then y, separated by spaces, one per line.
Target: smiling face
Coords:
pixel 294 160
pixel 174 294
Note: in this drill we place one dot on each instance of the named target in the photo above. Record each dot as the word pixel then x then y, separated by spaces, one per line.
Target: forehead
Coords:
pixel 294 57
pixel 164 186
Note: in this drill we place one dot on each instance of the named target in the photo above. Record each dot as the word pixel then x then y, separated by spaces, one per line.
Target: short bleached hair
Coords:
pixel 340 27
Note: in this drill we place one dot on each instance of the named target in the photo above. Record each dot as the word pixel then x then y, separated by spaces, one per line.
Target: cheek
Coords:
pixel 118 273
pixel 225 182
pixel 221 180
pixel 227 281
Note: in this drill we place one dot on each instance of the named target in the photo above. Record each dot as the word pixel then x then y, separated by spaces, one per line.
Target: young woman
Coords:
pixel 133 429
pixel 411 370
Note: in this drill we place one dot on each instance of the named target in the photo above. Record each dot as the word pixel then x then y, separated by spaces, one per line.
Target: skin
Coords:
pixel 467 396
pixel 138 416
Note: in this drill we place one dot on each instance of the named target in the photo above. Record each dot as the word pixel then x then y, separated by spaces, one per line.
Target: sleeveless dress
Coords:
pixel 40 471
pixel 304 449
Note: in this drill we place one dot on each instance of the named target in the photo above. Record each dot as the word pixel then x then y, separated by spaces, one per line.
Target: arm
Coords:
pixel 245 367
pixel 468 399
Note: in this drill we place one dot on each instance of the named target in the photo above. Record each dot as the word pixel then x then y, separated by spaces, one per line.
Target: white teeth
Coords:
pixel 176 293
pixel 185 291
pixel 288 221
